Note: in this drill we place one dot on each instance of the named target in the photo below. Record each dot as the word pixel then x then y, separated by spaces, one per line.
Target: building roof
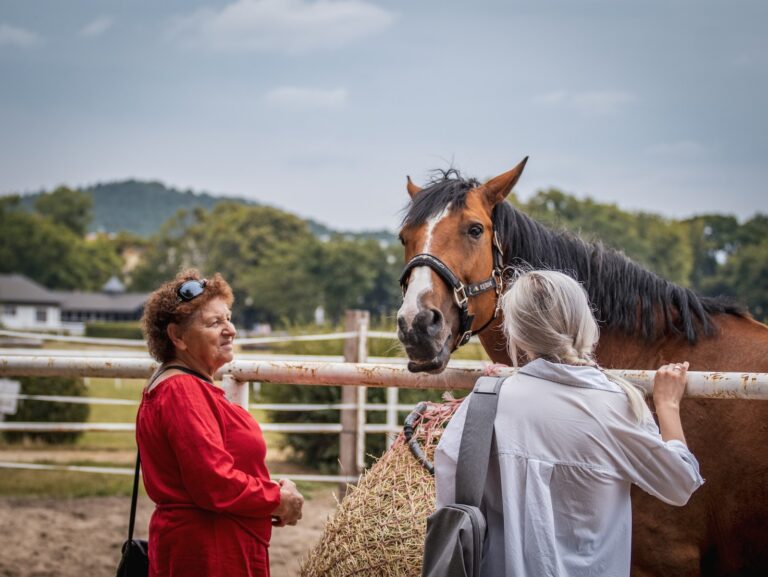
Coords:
pixel 104 302
pixel 18 289
pixel 113 286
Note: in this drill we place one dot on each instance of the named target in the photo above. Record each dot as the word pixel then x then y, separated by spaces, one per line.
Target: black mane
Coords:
pixel 617 285
pixel 446 187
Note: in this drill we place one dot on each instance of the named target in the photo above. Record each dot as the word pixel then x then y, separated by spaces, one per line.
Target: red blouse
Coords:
pixel 203 464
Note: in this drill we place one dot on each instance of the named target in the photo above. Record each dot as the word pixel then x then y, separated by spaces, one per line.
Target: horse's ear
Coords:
pixel 413 190
pixel 499 187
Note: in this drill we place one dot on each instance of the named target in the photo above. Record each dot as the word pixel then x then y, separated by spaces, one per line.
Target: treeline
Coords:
pixel 280 272
pixel 140 207
pixel 281 269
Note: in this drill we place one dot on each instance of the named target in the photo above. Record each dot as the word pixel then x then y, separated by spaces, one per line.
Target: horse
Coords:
pixel 461 237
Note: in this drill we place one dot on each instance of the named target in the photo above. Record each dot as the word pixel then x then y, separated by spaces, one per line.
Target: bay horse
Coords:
pixel 460 235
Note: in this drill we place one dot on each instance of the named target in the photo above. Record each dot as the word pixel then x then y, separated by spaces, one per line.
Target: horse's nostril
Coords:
pixel 437 316
pixel 402 324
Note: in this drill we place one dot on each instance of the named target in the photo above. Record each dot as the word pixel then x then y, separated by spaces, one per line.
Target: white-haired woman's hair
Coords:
pixel 547 315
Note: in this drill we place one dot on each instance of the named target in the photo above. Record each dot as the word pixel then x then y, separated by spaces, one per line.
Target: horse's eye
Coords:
pixel 476 230
pixel 402 240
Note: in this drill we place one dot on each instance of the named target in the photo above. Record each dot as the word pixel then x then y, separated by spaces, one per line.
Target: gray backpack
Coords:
pixel 456 533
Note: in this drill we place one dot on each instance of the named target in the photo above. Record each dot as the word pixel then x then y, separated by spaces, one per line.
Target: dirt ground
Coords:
pixel 82 537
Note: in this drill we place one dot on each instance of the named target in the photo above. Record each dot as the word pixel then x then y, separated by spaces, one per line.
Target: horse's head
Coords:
pixel 453 273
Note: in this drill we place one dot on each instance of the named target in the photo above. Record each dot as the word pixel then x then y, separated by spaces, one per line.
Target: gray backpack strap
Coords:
pixel 475 448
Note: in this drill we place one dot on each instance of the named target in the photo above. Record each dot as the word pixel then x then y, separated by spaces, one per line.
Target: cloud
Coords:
pixel 588 103
pixel 289 26
pixel 13 36
pixel 307 98
pixel 677 149
pixel 97 27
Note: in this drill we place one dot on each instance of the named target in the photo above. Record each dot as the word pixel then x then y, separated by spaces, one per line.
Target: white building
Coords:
pixel 25 305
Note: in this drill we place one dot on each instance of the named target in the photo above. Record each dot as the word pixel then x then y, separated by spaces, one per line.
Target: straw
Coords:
pixel 378 529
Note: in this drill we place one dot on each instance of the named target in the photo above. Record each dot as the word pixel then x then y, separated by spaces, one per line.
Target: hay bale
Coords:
pixel 378 528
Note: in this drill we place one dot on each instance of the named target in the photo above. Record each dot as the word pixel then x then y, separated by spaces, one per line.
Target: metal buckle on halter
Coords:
pixel 460 295
pixel 465 338
pixel 497 276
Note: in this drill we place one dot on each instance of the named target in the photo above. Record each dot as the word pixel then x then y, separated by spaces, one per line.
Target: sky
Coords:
pixel 322 107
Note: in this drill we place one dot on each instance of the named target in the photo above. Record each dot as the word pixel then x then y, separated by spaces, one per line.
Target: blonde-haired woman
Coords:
pixel 570 440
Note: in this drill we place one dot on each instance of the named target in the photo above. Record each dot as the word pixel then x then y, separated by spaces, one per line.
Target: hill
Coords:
pixel 141 207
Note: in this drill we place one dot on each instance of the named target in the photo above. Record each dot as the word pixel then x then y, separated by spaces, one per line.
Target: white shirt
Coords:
pixel 557 497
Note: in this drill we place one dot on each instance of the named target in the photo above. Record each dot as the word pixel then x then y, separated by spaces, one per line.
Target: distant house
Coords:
pixel 110 305
pixel 27 305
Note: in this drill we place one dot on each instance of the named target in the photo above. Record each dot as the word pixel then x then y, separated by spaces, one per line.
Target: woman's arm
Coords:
pixel 661 464
pixel 206 467
pixel 668 389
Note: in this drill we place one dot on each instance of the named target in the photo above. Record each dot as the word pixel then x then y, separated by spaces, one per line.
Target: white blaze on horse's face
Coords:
pixel 420 279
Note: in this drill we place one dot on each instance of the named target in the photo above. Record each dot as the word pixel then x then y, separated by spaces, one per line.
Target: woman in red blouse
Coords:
pixel 203 457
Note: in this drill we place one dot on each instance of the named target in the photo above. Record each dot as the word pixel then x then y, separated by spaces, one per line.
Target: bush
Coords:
pixel 44 411
pixel 321 450
pixel 116 330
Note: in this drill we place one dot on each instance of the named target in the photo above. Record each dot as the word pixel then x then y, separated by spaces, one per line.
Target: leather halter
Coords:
pixel 463 292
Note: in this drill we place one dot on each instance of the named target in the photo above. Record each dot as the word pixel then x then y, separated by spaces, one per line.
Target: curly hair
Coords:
pixel 163 308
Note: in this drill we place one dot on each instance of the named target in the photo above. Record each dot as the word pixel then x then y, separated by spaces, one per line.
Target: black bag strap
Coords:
pixel 181 368
pixel 135 495
pixel 134 498
pixel 476 441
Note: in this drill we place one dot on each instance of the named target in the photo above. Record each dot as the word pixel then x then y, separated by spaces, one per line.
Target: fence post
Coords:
pixel 362 393
pixel 354 349
pixel 392 401
pixel 235 391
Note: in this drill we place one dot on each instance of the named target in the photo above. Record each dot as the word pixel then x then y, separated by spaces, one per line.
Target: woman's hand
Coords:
pixel 669 384
pixel 493 370
pixel 288 512
pixel 668 389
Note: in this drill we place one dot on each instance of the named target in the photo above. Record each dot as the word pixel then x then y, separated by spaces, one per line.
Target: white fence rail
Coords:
pixel 299 370
pixel 700 385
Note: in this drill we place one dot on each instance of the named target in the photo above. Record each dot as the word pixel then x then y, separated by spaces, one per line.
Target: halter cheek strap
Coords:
pixel 461 292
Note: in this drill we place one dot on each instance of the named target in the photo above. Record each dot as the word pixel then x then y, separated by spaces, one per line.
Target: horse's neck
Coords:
pixel 739 345
pixel 494 343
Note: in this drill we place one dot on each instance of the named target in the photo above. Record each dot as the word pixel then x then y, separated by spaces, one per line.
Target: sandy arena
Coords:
pixel 81 537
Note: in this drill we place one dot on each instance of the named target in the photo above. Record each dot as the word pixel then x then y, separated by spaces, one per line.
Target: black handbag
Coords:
pixel 134 561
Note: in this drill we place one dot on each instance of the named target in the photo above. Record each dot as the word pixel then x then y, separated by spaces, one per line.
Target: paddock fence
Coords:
pixel 354 375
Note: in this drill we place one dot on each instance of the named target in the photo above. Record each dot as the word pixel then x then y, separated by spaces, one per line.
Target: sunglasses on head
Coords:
pixel 190 289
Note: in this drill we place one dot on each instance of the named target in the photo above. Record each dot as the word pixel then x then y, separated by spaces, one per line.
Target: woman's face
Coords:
pixel 209 335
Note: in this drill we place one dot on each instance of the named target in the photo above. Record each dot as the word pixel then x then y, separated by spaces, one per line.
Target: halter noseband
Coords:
pixel 461 292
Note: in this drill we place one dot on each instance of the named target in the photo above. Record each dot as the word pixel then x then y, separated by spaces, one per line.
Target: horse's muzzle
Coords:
pixel 427 339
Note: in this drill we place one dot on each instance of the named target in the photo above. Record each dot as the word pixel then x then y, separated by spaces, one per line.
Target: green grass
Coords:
pixel 112 389
pixel 63 484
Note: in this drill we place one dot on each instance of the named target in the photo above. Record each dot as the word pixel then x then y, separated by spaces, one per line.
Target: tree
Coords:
pixel 69 208
pixel 347 272
pixel 744 276
pixel 262 252
pixel 52 254
pixel 661 245
pixel 712 238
